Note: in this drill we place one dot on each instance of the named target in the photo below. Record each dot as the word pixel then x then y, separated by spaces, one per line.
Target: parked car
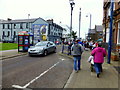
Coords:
pixel 42 48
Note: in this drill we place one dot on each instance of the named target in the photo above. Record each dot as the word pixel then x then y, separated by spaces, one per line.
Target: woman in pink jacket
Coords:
pixel 99 53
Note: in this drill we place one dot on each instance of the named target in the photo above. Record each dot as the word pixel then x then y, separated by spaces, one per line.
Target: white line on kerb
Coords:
pixel 25 86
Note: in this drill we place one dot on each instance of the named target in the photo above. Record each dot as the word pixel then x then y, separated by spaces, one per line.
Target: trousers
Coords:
pixel 77 62
pixel 98 67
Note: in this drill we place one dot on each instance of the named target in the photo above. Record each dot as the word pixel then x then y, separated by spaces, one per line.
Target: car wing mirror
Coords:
pixel 47 45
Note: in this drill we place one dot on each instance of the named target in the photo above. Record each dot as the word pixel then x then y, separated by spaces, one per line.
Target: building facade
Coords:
pixel 96 33
pixel 41 29
pixel 116 24
pixel 55 31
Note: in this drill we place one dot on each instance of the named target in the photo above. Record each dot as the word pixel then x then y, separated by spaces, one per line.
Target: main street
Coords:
pixel 51 71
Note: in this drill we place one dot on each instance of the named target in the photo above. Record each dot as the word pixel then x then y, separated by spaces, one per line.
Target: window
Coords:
pixel 21 26
pixel 3 26
pixel 14 34
pixel 118 40
pixel 8 33
pixel 14 26
pixel 26 25
pixel 3 33
pixel 8 26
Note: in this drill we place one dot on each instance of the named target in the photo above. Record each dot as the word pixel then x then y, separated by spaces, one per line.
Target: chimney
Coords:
pixel 50 20
pixel 9 19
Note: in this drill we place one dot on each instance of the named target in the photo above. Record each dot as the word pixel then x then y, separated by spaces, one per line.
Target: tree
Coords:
pixel 73 34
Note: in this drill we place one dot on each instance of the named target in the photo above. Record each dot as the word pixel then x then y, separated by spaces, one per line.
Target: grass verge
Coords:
pixel 8 46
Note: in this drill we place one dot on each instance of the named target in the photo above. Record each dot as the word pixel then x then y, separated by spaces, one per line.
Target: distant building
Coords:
pixel 91 35
pixel 41 29
pixel 96 33
pixel 54 31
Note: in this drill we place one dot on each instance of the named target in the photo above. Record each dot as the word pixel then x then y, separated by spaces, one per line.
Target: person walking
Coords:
pixel 69 47
pixel 99 53
pixel 62 46
pixel 77 51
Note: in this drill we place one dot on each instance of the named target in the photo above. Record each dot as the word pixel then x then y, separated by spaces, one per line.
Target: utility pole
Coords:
pixel 28 23
pixel 110 34
pixel 72 6
pixel 79 22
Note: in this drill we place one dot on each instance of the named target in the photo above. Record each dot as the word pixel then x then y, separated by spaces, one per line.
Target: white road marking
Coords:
pixel 62 59
pixel 25 86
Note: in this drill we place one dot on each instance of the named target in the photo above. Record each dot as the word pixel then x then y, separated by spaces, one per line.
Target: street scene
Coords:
pixel 60 44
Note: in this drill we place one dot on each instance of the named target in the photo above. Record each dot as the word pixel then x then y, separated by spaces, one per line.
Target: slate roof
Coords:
pixel 18 20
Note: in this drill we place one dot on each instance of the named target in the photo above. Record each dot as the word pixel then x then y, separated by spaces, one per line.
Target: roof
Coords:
pixel 18 20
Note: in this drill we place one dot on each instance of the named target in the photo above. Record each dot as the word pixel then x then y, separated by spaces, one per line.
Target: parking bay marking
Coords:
pixel 25 86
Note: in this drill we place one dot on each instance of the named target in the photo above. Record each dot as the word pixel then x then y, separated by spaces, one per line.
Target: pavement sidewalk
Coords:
pixel 10 53
pixel 86 79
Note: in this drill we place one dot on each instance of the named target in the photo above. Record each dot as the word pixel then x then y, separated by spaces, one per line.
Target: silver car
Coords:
pixel 42 48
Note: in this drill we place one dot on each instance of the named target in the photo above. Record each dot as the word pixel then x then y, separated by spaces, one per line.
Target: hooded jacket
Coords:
pixel 99 53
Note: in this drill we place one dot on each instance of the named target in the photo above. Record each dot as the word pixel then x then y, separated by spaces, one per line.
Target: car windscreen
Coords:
pixel 41 44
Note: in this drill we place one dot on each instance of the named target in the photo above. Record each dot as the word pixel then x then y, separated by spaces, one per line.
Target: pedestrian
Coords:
pixel 62 46
pixel 99 53
pixel 77 51
pixel 90 60
pixel 69 47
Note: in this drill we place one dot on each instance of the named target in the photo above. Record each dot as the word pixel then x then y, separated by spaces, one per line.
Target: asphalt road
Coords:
pixel 51 71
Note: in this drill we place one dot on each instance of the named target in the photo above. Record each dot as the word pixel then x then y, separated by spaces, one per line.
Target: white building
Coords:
pixel 41 29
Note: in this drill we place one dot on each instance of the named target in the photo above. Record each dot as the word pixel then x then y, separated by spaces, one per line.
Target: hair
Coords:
pixel 99 44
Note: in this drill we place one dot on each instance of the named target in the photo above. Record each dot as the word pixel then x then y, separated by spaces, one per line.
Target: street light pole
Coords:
pixel 71 4
pixel 28 23
pixel 90 20
pixel 79 22
pixel 110 34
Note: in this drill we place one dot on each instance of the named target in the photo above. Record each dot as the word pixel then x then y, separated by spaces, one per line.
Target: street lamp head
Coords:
pixel 71 2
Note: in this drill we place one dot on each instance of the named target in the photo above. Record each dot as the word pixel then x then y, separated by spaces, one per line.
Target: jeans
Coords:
pixel 98 67
pixel 77 62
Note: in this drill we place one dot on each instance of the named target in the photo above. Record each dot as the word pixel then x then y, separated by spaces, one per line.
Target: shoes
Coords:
pixel 76 71
pixel 98 75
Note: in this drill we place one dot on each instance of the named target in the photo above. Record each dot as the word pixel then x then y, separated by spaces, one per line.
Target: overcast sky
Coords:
pixel 58 10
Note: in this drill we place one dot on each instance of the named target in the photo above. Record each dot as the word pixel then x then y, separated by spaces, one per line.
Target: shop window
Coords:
pixel 119 36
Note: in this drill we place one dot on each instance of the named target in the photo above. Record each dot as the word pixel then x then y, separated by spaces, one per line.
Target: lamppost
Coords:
pixel 90 24
pixel 72 5
pixel 28 23
pixel 90 20
pixel 79 22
